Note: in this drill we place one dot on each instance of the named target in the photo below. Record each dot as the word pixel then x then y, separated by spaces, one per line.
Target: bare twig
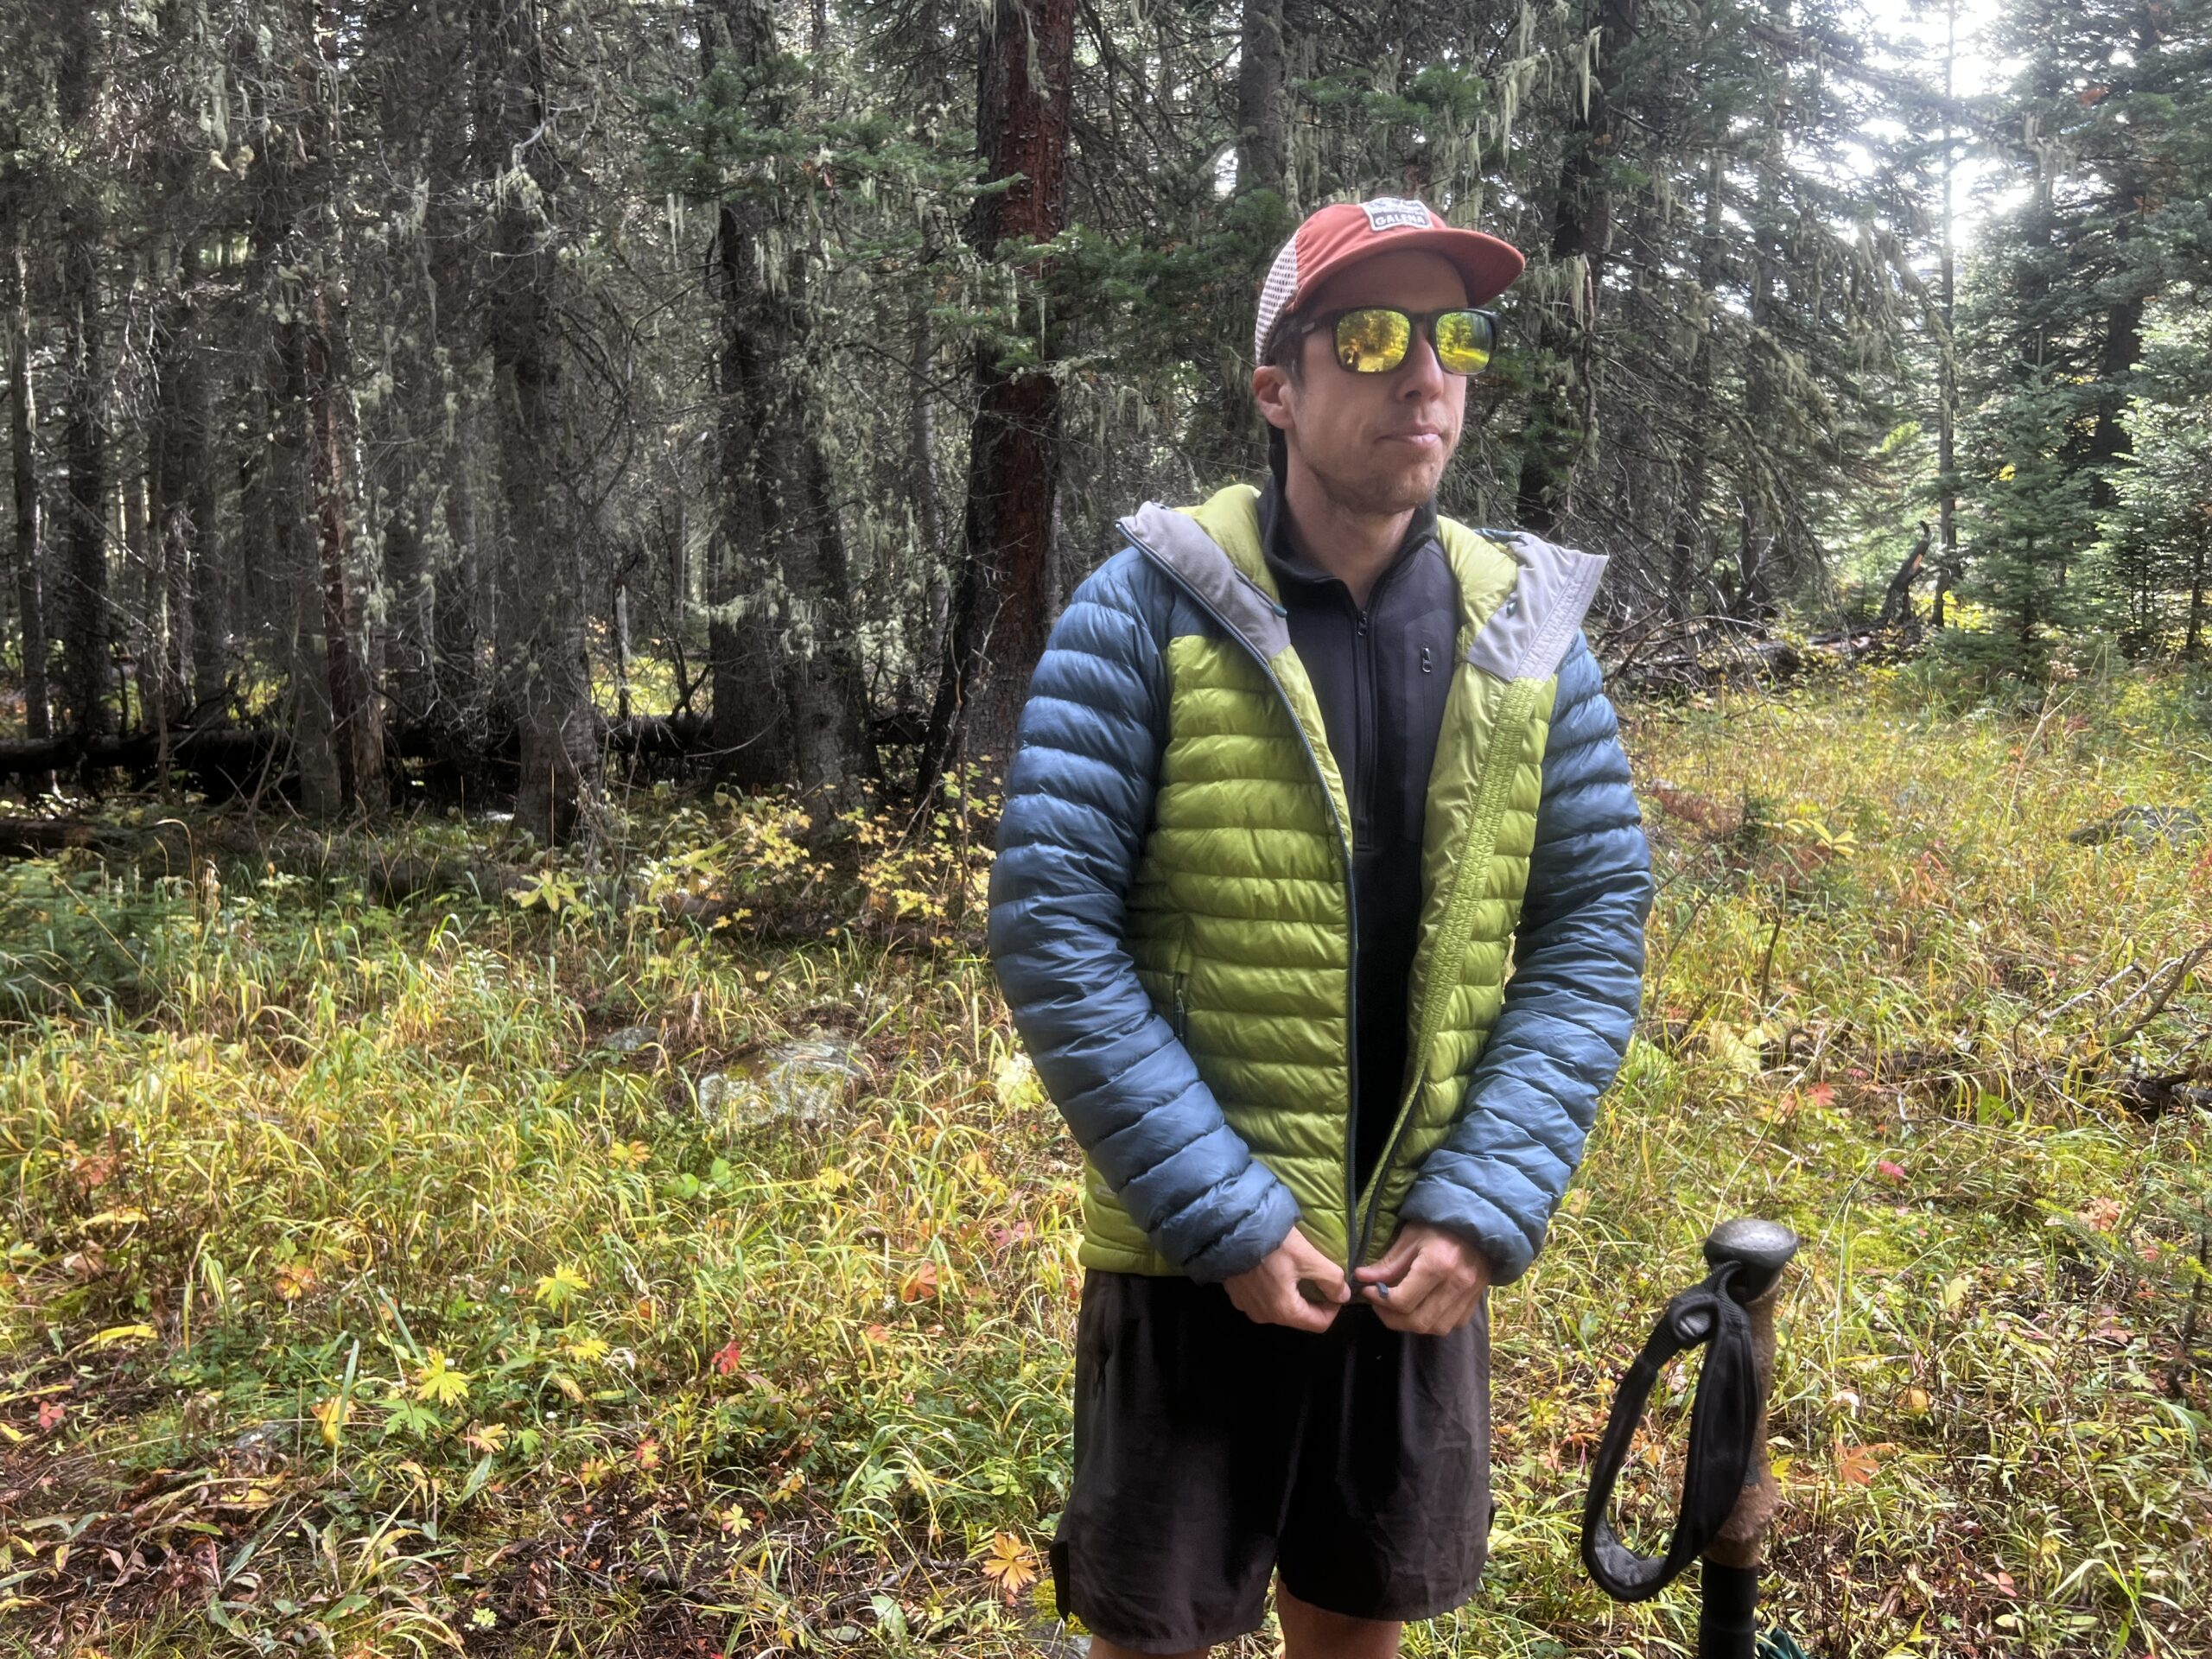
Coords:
pixel 2098 990
pixel 2181 965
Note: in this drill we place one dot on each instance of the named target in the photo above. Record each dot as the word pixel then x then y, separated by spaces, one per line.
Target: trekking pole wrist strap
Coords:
pixel 1724 1432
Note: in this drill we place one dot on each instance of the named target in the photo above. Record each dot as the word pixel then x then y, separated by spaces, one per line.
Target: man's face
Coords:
pixel 1375 443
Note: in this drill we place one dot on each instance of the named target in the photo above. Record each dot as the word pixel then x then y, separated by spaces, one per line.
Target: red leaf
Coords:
pixel 920 1285
pixel 1889 1171
pixel 51 1413
pixel 729 1358
pixel 1821 1094
pixel 1856 1464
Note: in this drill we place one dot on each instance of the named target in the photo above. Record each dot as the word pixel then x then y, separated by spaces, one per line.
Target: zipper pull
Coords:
pixel 1428 660
pixel 1182 1008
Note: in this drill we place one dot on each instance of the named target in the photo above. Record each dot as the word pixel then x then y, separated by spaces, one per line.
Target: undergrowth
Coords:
pixel 675 1255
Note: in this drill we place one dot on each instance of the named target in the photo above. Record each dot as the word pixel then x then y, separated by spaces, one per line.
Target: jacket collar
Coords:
pixel 1289 564
pixel 1523 610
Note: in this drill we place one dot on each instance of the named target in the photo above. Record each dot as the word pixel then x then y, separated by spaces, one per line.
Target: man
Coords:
pixel 1298 769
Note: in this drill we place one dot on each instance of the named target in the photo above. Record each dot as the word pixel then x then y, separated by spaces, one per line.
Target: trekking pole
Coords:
pixel 1728 1490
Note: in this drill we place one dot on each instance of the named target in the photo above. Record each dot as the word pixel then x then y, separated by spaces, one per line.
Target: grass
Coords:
pixel 576 1276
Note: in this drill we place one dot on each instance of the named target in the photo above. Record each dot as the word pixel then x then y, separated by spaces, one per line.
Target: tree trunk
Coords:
pixel 419 281
pixel 137 613
pixel 1897 599
pixel 1758 526
pixel 778 508
pixel 451 495
pixel 337 735
pixel 1000 606
pixel 1690 560
pixel 257 559
pixel 410 640
pixel 86 622
pixel 929 514
pixel 22 430
pixel 548 682
pixel 828 704
pixel 1946 387
pixel 357 729
pixel 747 660
pixel 179 466
pixel 1558 426
pixel 456 617
pixel 1262 101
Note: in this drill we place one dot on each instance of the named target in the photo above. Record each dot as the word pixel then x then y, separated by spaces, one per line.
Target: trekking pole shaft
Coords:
pixel 1726 1618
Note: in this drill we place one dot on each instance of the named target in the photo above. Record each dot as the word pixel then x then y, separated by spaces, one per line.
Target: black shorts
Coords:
pixel 1210 1451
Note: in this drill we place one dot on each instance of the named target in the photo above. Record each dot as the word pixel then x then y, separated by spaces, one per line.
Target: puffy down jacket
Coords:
pixel 1170 916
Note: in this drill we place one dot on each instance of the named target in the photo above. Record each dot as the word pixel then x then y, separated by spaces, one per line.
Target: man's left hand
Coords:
pixel 1429 1283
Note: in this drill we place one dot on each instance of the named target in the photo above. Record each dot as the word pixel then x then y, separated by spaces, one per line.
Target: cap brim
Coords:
pixel 1487 265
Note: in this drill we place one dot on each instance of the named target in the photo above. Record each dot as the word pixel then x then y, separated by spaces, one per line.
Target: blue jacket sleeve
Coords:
pixel 1570 1003
pixel 1078 801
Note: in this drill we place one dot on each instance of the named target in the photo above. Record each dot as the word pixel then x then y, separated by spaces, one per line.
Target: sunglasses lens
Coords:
pixel 1465 340
pixel 1373 340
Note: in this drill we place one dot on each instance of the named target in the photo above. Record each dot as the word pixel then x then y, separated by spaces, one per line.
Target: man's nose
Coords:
pixel 1421 375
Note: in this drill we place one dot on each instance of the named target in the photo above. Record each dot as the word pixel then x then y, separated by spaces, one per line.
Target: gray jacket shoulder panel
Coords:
pixel 1529 636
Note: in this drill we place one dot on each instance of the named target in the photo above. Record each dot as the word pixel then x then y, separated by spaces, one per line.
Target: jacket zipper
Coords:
pixel 1351 905
pixel 1510 720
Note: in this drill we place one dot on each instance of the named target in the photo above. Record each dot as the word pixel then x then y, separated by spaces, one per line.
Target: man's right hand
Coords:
pixel 1270 1293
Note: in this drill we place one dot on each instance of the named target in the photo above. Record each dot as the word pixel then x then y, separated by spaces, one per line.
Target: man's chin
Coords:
pixel 1384 492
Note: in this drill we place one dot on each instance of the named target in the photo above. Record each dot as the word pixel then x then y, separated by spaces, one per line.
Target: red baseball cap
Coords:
pixel 1346 231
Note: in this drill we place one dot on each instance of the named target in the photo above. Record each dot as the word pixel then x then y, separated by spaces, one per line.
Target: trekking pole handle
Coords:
pixel 1760 1250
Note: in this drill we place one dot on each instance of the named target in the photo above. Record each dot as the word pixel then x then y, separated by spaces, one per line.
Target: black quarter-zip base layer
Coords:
pixel 1381 675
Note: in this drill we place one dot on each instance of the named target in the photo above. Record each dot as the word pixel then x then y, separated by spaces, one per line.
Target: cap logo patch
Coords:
pixel 1395 214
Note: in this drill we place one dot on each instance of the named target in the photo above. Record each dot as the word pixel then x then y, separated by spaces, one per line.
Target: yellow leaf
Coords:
pixel 1011 1564
pixel 331 1415
pixel 1738 1047
pixel 1955 1292
pixel 561 1287
pixel 441 1384
pixel 116 1333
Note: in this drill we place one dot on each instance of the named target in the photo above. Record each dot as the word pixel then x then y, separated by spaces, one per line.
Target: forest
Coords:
pixel 447 402
pixel 531 524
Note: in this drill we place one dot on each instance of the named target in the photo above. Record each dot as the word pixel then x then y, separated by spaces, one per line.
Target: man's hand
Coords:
pixel 1274 1292
pixel 1429 1283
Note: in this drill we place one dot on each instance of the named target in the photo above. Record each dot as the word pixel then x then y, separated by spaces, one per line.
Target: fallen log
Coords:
pixel 225 760
pixel 229 760
pixel 1737 663
pixel 35 837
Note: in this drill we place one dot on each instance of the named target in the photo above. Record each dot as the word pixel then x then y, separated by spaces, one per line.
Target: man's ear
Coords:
pixel 1273 392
